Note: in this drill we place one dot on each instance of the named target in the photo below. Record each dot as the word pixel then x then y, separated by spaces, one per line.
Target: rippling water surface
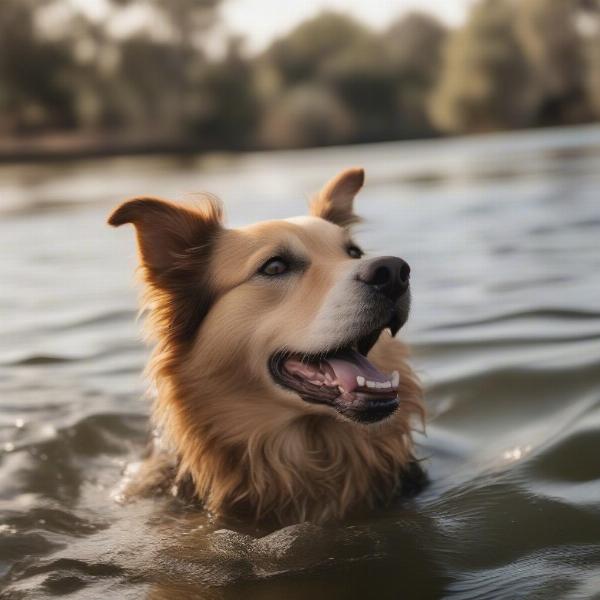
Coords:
pixel 503 235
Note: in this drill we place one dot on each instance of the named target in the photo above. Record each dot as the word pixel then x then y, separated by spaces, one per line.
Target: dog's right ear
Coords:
pixel 335 201
pixel 168 234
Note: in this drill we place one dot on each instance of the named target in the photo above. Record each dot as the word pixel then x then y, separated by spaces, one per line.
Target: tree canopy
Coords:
pixel 330 80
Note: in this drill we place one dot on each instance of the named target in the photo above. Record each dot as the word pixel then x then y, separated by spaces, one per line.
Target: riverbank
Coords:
pixel 69 146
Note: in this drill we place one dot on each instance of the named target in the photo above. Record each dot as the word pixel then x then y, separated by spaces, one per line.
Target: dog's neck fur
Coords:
pixel 289 465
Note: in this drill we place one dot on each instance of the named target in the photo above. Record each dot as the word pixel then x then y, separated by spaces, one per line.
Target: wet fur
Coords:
pixel 229 437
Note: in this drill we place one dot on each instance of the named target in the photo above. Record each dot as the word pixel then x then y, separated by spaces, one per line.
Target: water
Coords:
pixel 503 236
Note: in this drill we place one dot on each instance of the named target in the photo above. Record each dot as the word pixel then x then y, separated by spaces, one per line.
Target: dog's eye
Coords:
pixel 354 251
pixel 274 266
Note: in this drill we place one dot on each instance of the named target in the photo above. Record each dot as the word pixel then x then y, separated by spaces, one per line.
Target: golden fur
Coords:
pixel 229 436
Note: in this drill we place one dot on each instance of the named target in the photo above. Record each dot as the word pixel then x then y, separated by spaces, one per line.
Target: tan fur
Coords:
pixel 241 443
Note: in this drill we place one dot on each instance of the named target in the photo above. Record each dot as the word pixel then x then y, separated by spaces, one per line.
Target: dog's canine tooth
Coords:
pixel 360 380
pixel 395 379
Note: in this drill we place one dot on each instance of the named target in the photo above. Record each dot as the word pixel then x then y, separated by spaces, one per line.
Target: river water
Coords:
pixel 503 237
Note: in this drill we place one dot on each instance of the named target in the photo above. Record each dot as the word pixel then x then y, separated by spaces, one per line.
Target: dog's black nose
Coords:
pixel 389 275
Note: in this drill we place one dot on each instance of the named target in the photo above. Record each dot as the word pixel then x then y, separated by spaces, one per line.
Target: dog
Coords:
pixel 281 391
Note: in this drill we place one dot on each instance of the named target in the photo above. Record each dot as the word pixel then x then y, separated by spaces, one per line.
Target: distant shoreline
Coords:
pixel 60 147
pixel 66 147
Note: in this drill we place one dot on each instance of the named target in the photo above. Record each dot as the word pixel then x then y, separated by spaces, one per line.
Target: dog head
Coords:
pixel 278 317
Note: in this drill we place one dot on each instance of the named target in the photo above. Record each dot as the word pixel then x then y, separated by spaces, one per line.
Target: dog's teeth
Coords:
pixel 360 380
pixel 395 379
pixel 387 384
pixel 371 384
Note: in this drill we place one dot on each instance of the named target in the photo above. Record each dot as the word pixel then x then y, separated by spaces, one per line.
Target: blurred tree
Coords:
pixel 351 64
pixel 306 116
pixel 166 73
pixel 331 80
pixel 345 65
pixel 547 31
pixel 593 76
pixel 414 46
pixel 228 110
pixel 592 73
pixel 487 83
pixel 361 78
pixel 149 85
pixel 34 92
pixel 299 55
pixel 187 19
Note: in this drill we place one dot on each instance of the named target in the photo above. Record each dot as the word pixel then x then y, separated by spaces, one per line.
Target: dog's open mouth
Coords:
pixel 343 379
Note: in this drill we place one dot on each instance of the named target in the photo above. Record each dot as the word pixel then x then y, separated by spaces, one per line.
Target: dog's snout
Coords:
pixel 389 275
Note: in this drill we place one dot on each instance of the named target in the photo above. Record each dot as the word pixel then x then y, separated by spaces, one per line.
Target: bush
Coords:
pixel 306 116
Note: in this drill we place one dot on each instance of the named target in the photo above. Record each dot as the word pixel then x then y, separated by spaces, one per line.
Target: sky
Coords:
pixel 260 21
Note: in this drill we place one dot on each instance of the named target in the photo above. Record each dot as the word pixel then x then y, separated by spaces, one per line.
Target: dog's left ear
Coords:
pixel 175 244
pixel 335 200
pixel 169 234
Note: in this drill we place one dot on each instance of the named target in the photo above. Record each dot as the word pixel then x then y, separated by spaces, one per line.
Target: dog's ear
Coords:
pixel 175 245
pixel 168 233
pixel 335 200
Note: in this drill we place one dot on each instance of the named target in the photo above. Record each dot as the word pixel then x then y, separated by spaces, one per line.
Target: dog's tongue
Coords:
pixel 349 365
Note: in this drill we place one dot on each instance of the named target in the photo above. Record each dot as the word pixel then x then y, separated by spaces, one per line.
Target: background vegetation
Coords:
pixel 332 80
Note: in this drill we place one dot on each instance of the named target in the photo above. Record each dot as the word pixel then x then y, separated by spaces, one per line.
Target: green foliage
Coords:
pixel 228 108
pixel 299 56
pixel 485 84
pixel 514 63
pixel 307 115
pixel 375 80
pixel 592 81
pixel 33 73
pixel 414 46
pixel 360 77
pixel 547 30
